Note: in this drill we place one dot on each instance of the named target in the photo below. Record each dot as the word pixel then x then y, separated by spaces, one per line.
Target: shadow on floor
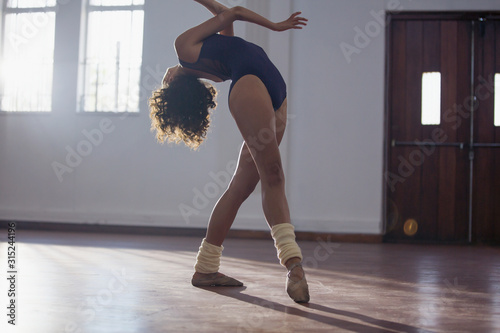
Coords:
pixel 345 324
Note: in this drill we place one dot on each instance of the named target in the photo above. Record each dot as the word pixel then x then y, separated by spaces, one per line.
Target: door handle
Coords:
pixel 461 145
pixel 486 145
pixel 396 143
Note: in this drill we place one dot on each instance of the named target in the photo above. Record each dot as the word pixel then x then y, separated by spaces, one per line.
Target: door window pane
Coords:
pixel 497 99
pixel 431 98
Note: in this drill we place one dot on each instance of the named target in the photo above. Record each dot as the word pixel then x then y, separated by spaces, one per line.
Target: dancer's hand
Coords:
pixel 293 22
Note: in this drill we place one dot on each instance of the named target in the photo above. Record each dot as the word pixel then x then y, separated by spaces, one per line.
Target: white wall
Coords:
pixel 333 150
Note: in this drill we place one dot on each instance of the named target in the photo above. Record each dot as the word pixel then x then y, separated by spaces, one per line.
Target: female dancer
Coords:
pixel 180 111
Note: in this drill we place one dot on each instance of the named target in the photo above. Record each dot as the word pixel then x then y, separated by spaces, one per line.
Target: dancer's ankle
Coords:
pixel 292 261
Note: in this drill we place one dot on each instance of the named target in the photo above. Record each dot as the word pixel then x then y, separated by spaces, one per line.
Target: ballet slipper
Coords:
pixel 297 290
pixel 216 280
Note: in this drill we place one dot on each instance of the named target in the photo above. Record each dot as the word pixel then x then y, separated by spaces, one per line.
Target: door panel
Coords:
pixel 431 54
pixel 452 218
pixel 425 183
pixel 486 193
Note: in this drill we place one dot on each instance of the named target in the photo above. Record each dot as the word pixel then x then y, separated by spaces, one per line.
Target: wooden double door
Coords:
pixel 442 176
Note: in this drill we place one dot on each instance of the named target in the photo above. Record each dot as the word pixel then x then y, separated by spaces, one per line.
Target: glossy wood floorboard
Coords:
pixel 84 282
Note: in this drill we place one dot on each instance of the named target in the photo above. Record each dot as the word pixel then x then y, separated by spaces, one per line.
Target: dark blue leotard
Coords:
pixel 229 57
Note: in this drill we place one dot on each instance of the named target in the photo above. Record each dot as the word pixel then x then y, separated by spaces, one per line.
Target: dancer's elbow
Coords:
pixel 237 12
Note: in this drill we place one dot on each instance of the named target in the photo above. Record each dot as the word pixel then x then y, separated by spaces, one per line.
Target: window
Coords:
pixel 112 56
pixel 497 100
pixel 431 98
pixel 27 55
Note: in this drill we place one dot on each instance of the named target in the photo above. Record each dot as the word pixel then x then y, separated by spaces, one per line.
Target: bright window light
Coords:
pixel 115 2
pixel 431 98
pixel 27 57
pixel 113 56
pixel 497 99
pixel 30 3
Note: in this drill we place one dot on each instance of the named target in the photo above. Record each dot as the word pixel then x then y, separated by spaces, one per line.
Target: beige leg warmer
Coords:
pixel 284 241
pixel 208 259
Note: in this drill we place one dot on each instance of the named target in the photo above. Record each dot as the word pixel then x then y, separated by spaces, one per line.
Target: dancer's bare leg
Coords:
pixel 252 110
pixel 241 186
pixel 259 125
pixel 243 183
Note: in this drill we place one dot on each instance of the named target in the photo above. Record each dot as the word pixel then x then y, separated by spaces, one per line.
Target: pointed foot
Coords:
pixel 297 290
pixel 214 280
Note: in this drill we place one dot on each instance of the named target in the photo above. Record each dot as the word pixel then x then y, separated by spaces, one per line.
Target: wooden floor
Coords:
pixel 84 282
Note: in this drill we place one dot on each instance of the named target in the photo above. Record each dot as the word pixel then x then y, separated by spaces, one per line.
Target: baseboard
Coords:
pixel 186 232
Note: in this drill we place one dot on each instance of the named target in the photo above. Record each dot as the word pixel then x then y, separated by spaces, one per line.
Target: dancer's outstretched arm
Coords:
pixel 216 8
pixel 188 44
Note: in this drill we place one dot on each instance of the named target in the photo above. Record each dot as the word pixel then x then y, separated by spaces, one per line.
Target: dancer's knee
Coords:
pixel 272 174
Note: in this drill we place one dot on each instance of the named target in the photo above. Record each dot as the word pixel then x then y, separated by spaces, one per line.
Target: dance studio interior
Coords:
pixel 390 160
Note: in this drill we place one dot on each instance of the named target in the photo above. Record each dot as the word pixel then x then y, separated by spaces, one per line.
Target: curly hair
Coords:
pixel 181 111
